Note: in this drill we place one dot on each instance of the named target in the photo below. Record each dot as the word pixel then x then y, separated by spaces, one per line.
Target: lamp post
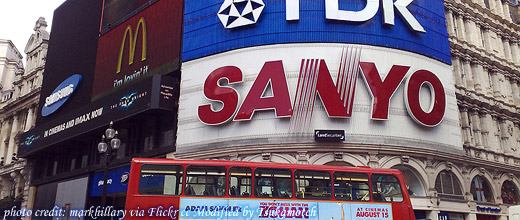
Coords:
pixel 107 150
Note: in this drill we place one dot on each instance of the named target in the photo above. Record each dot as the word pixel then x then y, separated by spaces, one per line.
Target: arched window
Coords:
pixel 414 183
pixel 510 193
pixel 448 186
pixel 481 190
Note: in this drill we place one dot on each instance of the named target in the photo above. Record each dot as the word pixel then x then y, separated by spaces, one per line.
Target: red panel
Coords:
pixel 156 28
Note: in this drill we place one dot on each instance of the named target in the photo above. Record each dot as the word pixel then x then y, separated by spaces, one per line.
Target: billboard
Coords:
pixel 215 26
pixel 274 72
pixel 157 92
pixel 68 56
pixel 148 43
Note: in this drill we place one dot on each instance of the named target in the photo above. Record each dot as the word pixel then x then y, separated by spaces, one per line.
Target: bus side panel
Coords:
pixel 153 207
pixel 147 206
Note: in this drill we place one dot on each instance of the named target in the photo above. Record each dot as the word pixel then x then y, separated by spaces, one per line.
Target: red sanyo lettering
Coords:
pixel 223 94
pixel 382 91
pixel 315 79
pixel 274 74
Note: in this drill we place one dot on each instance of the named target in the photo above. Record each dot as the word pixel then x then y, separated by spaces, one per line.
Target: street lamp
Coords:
pixel 108 150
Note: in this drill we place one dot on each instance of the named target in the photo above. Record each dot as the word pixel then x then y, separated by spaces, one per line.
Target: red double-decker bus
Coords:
pixel 211 189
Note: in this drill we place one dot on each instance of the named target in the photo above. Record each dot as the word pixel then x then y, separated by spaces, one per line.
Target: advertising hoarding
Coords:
pixel 157 92
pixel 273 72
pixel 280 94
pixel 193 208
pixel 148 43
pixel 68 56
pixel 216 26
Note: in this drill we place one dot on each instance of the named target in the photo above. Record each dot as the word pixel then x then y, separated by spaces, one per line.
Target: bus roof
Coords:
pixel 228 163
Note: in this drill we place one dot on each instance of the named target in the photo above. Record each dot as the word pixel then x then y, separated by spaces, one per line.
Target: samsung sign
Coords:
pixel 417 26
pixel 60 95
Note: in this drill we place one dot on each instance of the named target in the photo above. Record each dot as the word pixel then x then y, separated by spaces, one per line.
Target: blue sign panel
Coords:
pixel 215 26
pixel 117 181
pixel 61 94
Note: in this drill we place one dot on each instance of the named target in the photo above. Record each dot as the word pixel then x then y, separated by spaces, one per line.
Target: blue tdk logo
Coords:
pixel 237 13
pixel 216 26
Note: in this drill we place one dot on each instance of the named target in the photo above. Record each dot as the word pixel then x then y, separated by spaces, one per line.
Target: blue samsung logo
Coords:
pixel 61 94
pixel 216 26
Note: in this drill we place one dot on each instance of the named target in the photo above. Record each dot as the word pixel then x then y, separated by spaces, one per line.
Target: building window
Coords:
pixel 481 190
pixel 483 37
pixel 462 73
pixel 448 186
pixel 414 184
pixel 513 12
pixel 455 25
pixel 486 2
pixel 510 193
pixel 12 189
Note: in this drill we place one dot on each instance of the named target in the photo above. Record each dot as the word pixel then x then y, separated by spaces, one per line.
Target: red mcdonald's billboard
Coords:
pixel 147 43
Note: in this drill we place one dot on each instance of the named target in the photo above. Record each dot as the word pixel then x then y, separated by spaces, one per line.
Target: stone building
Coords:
pixel 17 115
pixel 10 65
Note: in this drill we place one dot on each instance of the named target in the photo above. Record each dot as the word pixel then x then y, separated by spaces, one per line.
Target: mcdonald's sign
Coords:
pixel 132 41
pixel 145 44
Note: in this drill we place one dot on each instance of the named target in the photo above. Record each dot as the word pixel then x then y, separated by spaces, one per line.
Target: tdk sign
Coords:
pixel 236 13
pixel 60 95
pixel 215 26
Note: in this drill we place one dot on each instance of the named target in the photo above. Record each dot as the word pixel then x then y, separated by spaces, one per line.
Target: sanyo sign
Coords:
pixel 333 12
pixel 316 80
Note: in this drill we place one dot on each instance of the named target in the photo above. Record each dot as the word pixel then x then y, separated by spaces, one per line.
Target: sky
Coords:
pixel 18 18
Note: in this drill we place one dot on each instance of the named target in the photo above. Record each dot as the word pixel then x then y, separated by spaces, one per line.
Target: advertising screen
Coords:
pixel 70 56
pixel 276 72
pixel 148 43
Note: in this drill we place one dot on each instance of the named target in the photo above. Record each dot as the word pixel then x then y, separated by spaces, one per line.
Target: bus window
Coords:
pixel 160 179
pixel 273 183
pixel 205 181
pixel 351 186
pixel 240 179
pixel 311 184
pixel 386 188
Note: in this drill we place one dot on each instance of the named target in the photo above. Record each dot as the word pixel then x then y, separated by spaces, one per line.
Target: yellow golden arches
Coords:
pixel 132 43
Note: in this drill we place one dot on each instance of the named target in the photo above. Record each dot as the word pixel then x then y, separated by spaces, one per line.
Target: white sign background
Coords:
pixel 264 128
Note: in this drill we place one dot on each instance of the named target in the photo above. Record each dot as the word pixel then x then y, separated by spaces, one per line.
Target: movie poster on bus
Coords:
pixel 192 208
pixel 246 209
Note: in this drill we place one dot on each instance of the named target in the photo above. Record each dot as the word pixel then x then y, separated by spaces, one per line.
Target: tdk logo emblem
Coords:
pixel 237 13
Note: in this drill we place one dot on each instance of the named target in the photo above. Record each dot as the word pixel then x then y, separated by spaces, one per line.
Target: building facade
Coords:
pixel 11 65
pixel 435 95
pixel 93 77
pixel 18 113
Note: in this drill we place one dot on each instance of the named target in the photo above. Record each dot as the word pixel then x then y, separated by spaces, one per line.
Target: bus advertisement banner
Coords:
pixel 195 208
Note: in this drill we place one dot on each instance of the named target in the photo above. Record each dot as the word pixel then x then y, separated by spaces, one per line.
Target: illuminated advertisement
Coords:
pixel 274 72
pixel 416 25
pixel 148 43
pixel 61 94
